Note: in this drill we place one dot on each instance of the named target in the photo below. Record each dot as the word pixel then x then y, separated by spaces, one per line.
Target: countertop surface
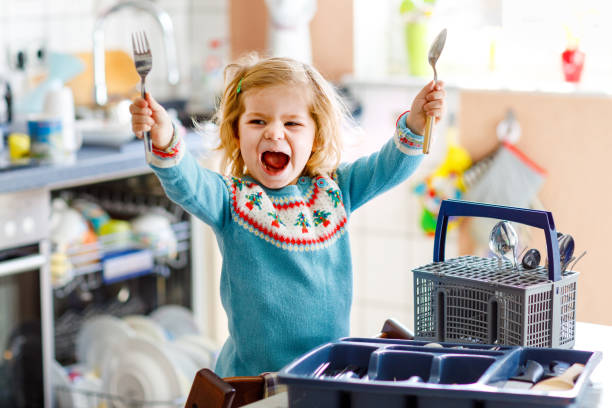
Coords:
pixel 590 337
pixel 93 164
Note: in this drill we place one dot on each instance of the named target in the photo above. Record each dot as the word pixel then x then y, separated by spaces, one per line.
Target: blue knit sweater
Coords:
pixel 286 279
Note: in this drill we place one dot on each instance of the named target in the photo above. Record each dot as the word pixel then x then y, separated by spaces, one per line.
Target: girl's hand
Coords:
pixel 148 115
pixel 429 102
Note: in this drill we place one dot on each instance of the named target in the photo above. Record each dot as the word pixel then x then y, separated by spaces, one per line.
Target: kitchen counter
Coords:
pixel 590 337
pixel 93 164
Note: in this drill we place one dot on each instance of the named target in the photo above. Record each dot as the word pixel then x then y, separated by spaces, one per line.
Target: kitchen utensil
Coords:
pixel 320 369
pixel 504 239
pixel 531 259
pixel 577 259
pixel 528 374
pixel 566 249
pixel 143 60
pixel 434 53
pixel 555 368
pixel 392 329
pixel 564 381
pixel 478 284
pixel 348 372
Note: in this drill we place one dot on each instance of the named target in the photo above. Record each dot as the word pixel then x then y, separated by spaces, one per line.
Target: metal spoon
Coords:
pixel 504 239
pixel 566 249
pixel 532 258
pixel 576 260
pixel 434 53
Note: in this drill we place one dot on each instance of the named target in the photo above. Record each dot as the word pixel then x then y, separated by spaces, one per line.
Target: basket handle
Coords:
pixel 534 218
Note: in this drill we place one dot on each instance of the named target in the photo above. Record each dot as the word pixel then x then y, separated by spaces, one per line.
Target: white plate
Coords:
pixel 201 358
pixel 144 372
pixel 184 364
pixel 63 396
pixel 206 346
pixel 87 388
pixel 146 327
pixel 176 320
pixel 96 339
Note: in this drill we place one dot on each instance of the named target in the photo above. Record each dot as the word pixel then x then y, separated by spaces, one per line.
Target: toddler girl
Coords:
pixel 280 214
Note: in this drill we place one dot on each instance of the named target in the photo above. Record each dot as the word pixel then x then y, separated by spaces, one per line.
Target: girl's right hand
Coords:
pixel 148 115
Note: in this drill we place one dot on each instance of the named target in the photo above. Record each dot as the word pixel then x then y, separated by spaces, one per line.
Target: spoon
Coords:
pixel 563 381
pixel 566 249
pixel 434 53
pixel 531 259
pixel 503 239
pixel 575 260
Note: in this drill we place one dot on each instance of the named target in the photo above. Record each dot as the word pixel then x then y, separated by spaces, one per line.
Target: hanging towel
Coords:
pixel 507 177
pixel 511 178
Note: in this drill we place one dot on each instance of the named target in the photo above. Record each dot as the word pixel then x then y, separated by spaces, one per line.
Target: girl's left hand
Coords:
pixel 429 102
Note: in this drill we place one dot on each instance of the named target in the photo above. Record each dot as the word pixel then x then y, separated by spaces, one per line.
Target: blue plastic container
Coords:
pixel 386 373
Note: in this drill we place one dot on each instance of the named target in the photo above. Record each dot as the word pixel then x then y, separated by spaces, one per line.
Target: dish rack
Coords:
pixel 75 397
pixel 409 373
pixel 470 299
pixel 87 293
pixel 93 263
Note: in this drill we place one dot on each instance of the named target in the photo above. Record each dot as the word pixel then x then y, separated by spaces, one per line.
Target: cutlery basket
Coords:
pixel 410 374
pixel 470 299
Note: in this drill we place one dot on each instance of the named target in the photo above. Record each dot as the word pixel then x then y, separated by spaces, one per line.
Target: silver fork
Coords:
pixel 143 60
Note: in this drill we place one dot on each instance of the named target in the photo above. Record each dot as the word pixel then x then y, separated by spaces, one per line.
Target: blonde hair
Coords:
pixel 326 108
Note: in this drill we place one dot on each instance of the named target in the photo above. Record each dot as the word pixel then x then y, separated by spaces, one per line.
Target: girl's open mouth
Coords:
pixel 274 162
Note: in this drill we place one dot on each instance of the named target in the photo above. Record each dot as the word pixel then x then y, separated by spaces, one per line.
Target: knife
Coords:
pixel 527 375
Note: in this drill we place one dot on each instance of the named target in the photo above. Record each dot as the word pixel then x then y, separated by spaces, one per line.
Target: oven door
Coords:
pixel 23 382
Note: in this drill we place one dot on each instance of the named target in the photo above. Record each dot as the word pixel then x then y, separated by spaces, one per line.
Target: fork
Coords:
pixel 143 61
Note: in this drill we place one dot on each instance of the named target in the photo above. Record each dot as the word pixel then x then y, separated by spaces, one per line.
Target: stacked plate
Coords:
pixel 144 359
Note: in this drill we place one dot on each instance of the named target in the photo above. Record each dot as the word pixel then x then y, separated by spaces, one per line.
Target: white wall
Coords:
pixel 386 237
pixel 66 26
pixel 515 44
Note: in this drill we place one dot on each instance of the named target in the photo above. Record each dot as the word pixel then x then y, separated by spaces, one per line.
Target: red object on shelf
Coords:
pixel 573 62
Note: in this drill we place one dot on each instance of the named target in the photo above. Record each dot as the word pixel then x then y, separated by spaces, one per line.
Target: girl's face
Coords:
pixel 276 133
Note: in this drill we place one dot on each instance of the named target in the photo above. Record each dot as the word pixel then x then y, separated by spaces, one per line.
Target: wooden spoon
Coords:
pixel 561 382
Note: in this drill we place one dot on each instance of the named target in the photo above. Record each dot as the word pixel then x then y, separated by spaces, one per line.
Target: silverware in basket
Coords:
pixel 504 239
pixel 143 60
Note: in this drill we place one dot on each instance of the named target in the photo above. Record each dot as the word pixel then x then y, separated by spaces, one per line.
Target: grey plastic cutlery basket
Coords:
pixel 471 299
